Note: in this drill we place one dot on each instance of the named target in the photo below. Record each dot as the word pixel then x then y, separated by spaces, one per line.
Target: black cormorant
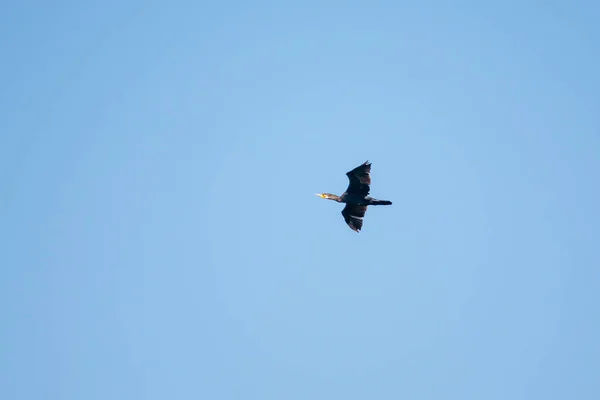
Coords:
pixel 356 196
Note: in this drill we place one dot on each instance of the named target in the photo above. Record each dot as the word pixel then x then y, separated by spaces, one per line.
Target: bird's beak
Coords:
pixel 320 195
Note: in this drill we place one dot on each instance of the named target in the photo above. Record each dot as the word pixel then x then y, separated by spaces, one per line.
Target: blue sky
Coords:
pixel 160 234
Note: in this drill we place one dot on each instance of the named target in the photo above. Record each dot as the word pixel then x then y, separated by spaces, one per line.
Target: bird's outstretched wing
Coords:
pixel 353 215
pixel 360 179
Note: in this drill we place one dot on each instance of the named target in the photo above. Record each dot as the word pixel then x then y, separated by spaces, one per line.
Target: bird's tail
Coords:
pixel 381 203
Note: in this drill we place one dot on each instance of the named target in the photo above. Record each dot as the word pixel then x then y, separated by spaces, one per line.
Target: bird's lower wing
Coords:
pixel 353 215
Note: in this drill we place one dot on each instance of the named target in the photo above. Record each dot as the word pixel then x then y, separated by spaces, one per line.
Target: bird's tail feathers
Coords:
pixel 381 203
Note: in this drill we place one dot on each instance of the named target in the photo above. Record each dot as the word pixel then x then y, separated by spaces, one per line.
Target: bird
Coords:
pixel 356 197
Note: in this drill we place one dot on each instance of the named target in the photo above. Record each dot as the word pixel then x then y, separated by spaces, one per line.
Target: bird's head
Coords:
pixel 328 196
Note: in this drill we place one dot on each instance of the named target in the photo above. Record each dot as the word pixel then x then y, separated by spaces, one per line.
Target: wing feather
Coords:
pixel 353 215
pixel 360 179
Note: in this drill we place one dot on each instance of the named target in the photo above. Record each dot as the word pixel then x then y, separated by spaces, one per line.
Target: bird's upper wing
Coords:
pixel 360 179
pixel 353 215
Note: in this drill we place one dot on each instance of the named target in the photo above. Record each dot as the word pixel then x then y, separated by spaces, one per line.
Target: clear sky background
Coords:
pixel 160 237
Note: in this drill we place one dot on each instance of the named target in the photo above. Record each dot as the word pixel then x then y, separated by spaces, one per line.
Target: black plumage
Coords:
pixel 356 197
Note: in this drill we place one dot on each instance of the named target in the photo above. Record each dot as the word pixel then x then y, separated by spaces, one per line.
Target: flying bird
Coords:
pixel 356 196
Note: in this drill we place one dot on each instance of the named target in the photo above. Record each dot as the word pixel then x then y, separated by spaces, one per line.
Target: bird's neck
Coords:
pixel 333 197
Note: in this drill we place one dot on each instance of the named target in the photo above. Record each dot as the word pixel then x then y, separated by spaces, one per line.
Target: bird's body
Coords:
pixel 356 197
